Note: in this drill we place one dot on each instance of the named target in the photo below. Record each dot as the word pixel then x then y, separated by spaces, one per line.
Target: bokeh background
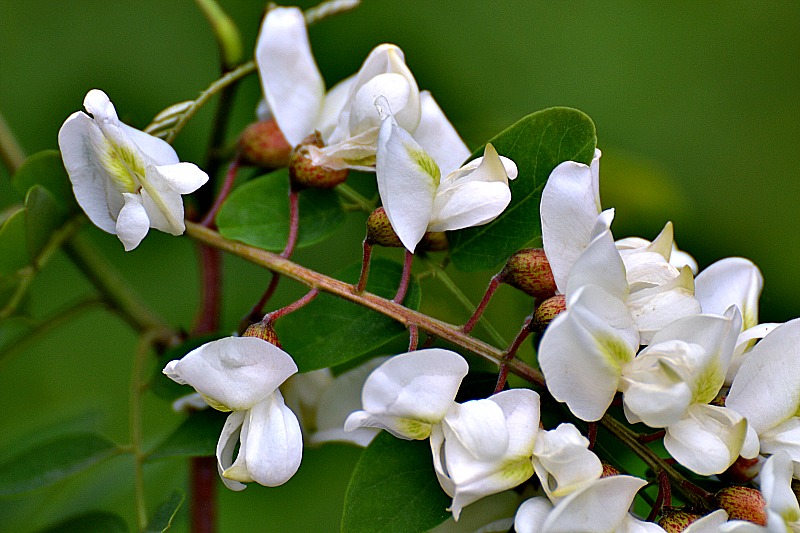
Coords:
pixel 697 112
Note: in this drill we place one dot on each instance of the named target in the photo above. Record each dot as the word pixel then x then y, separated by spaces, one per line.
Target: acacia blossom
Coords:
pixel 125 180
pixel 242 375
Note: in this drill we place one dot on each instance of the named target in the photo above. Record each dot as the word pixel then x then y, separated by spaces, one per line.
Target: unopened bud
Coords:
pixel 304 173
pixel 262 144
pixel 529 271
pixel 264 332
pixel 380 231
pixel 743 503
pixel 547 311
pixel 433 241
pixel 609 470
pixel 742 470
pixel 676 520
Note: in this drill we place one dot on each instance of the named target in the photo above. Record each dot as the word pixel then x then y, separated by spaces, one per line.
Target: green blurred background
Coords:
pixel 697 112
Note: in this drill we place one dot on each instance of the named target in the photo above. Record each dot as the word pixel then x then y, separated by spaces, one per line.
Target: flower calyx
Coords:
pixel 529 271
pixel 675 520
pixel 303 172
pixel 263 331
pixel 263 145
pixel 743 503
pixel 547 311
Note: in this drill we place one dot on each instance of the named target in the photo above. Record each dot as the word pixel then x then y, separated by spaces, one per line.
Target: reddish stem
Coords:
pixel 294 222
pixel 490 290
pixel 512 350
pixel 257 310
pixel 365 261
pixel 222 195
pixel 405 279
pixel 591 434
pixel 292 307
pixel 413 337
pixel 203 482
pixel 651 437
pixel 207 319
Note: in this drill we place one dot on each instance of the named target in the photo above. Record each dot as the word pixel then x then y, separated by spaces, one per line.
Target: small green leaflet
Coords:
pixel 161 520
pixel 197 436
pixel 537 144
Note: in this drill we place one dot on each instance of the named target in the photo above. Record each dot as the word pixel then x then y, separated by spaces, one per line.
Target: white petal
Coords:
pixel 744 343
pixel 601 505
pixel 563 462
pixel 438 137
pixel 656 307
pixel 708 440
pixel 784 438
pixel 731 281
pixel 480 426
pixel 710 523
pixel 99 105
pixel 401 427
pixel 584 349
pixel 468 204
pixel 599 264
pixel 335 101
pixel 292 83
pixel 766 390
pixel 132 222
pixel 680 259
pixel 158 150
pixel 274 442
pixel 407 182
pixel 363 114
pixel 521 410
pixel 234 372
pixel 776 486
pixel 569 208
pixel 532 514
pixel 163 205
pixel 183 178
pixel 357 152
pixel 226 444
pixel 88 176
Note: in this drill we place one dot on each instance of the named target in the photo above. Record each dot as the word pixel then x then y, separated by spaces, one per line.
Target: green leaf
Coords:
pixel 52 461
pixel 537 144
pixel 165 514
pixel 330 331
pixel 43 215
pixel 197 436
pixel 46 169
pixel 12 329
pixel 13 247
pixel 394 488
pixel 91 522
pixel 257 213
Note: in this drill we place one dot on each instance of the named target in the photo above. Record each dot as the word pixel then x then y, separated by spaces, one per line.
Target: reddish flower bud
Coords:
pixel 304 173
pixel 743 503
pixel 262 144
pixel 609 470
pixel 547 311
pixel 263 331
pixel 741 471
pixel 676 520
pixel 529 271
pixel 380 231
pixel 433 241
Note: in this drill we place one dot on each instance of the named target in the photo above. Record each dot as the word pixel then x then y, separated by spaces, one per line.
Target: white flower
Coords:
pixel 563 462
pixel 345 117
pixel 124 179
pixel 600 506
pixel 766 391
pixel 418 199
pixel 483 447
pixel 242 374
pixel 410 393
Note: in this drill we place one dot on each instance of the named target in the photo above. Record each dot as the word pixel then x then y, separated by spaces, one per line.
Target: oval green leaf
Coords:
pixel 537 144
pixel 54 460
pixel 13 245
pixel 342 331
pixel 43 215
pixel 394 489
pixel 46 169
pixel 197 436
pixel 92 522
pixel 161 520
pixel 257 213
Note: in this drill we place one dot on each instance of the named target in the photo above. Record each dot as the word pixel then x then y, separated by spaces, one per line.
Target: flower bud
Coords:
pixel 304 173
pixel 609 470
pixel 433 241
pixel 742 470
pixel 380 231
pixel 529 271
pixel 547 311
pixel 264 332
pixel 743 503
pixel 676 520
pixel 262 144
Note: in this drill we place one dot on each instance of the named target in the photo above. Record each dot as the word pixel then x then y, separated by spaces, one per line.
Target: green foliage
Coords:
pixel 537 144
pixel 13 247
pixel 257 213
pixel 394 488
pixel 196 436
pixel 162 519
pixel 161 385
pixel 12 330
pixel 43 215
pixel 52 461
pixel 92 522
pixel 46 169
pixel 330 331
